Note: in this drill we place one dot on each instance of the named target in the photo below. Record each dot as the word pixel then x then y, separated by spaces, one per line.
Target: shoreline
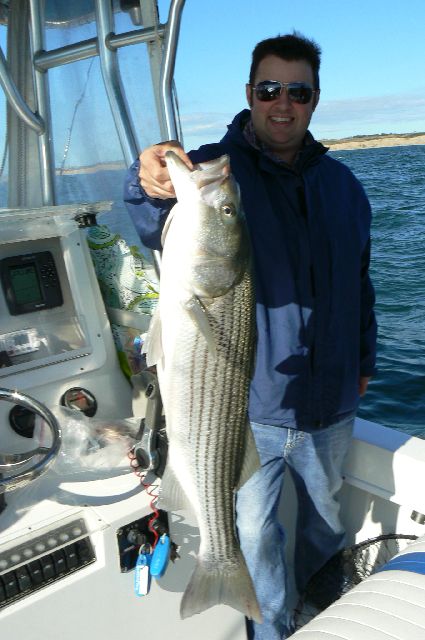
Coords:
pixel 337 144
pixel 373 141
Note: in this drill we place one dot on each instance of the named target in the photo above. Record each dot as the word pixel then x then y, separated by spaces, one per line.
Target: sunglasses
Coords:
pixel 269 90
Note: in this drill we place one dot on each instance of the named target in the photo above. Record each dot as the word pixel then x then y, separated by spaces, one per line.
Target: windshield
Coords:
pixel 88 158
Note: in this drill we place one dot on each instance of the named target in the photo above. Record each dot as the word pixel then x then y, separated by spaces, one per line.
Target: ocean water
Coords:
pixel 394 181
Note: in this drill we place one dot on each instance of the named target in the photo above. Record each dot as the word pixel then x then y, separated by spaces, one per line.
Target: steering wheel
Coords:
pixel 14 462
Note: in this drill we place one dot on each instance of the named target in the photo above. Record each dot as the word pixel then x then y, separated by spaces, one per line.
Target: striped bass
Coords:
pixel 202 339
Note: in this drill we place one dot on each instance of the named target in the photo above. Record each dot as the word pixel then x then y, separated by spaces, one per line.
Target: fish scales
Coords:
pixel 202 340
pixel 227 385
pixel 212 396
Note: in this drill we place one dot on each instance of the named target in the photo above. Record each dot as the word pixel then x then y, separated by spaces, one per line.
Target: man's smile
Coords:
pixel 281 119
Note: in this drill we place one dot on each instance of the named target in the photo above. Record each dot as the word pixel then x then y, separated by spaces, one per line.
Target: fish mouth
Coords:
pixel 218 164
pixel 214 171
pixel 203 174
pixel 208 171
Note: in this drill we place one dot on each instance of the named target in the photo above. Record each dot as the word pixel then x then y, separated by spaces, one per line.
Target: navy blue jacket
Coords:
pixel 310 232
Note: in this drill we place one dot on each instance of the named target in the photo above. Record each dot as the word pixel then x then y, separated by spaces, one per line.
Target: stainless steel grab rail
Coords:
pixel 167 69
pixel 10 462
pixel 15 99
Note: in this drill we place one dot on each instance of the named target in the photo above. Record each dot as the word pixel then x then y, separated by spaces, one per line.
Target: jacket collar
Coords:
pixel 241 132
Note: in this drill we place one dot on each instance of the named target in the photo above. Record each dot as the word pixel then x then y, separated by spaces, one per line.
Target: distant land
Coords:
pixel 355 142
pixel 375 140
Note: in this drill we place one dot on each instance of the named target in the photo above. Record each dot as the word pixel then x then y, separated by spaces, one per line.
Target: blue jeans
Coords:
pixel 315 461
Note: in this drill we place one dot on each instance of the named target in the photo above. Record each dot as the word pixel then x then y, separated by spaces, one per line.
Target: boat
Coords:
pixel 76 294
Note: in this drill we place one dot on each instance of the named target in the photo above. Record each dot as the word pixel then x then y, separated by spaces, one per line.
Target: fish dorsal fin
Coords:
pixel 251 461
pixel 196 310
pixel 152 345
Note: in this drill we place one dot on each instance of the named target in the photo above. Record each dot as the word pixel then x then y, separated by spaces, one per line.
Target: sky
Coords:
pixel 372 72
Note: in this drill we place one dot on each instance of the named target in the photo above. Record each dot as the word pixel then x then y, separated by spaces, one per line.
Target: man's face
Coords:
pixel 280 123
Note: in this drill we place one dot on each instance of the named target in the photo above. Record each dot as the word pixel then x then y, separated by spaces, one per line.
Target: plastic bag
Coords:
pixel 91 449
pixel 90 444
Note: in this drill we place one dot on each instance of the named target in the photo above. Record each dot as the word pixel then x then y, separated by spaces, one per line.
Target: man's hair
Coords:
pixel 289 47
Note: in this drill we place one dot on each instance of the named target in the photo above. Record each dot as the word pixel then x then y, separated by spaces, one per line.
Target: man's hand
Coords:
pixel 153 173
pixel 363 382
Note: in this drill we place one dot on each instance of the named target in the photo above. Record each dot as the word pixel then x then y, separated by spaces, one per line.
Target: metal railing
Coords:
pixel 105 45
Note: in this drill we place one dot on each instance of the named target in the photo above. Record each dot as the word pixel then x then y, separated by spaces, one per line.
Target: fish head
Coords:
pixel 209 198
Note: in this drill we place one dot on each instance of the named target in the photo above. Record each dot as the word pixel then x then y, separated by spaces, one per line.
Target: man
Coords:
pixel 309 222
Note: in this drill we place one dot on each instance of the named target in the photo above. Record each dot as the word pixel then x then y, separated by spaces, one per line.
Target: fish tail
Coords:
pixel 210 586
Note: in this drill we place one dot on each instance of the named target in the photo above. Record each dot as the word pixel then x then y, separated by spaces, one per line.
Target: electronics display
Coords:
pixel 30 282
pixel 16 343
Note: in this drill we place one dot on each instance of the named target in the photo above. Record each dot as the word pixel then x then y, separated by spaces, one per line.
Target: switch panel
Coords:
pixel 44 559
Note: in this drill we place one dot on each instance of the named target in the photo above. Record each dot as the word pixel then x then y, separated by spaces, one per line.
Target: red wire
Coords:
pixel 148 488
pixel 155 512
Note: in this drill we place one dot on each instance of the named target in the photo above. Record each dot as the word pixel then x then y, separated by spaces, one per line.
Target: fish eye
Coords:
pixel 228 210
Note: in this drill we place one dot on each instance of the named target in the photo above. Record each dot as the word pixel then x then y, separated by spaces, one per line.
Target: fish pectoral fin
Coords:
pixel 152 345
pixel 197 313
pixel 171 496
pixel 251 461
